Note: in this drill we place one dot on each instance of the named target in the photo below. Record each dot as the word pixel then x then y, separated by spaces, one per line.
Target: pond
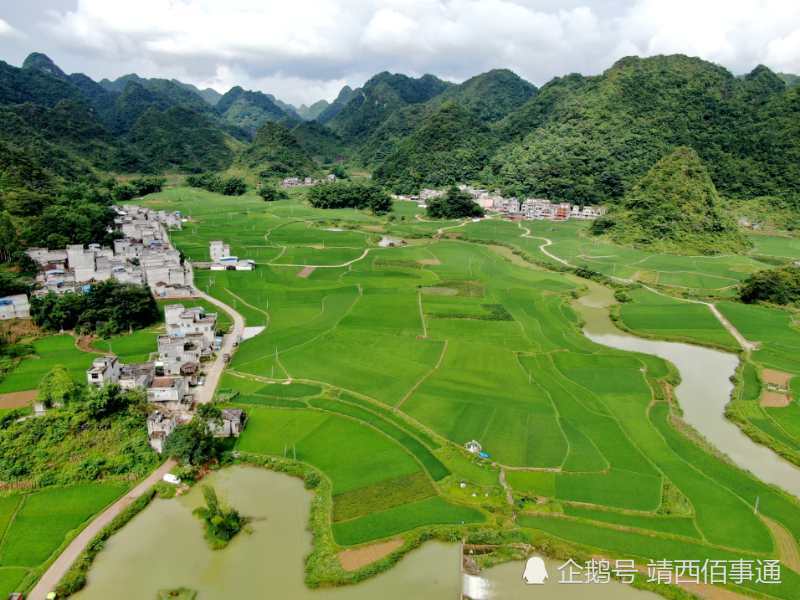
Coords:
pixel 163 548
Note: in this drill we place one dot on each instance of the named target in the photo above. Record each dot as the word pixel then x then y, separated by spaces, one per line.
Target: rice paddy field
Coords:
pixel 35 525
pixel 378 364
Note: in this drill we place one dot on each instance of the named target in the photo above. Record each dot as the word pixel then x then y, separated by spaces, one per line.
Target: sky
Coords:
pixel 304 50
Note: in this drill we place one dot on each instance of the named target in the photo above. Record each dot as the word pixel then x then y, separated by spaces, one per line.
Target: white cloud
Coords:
pixel 302 48
pixel 7 30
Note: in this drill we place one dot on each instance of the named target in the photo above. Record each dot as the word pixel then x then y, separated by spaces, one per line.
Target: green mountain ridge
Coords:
pixel 276 152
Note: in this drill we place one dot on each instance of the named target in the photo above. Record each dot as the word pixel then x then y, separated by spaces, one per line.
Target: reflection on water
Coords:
pixel 704 390
pixel 504 582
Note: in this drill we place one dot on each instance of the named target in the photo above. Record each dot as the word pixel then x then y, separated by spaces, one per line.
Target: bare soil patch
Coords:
pixel 787 545
pixel 17 399
pixel 429 261
pixel 305 272
pixel 775 399
pixel 439 291
pixel 354 559
pixel 774 377
pixel 84 343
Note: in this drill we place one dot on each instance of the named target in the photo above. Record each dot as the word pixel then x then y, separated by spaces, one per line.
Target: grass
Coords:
pixel 673 525
pixel 667 318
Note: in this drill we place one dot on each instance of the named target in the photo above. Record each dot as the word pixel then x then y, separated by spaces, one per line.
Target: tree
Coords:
pixel 350 195
pixel 108 307
pixel 778 286
pixel 271 193
pixel 454 205
pixel 227 186
pixel 108 400
pixel 340 172
pixel 57 388
pixel 192 443
pixel 222 523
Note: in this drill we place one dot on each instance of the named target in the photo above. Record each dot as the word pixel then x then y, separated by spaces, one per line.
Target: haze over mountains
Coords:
pixel 582 139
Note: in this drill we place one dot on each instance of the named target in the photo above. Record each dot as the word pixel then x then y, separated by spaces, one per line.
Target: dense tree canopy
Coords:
pixel 98 433
pixel 455 204
pixel 107 308
pixel 776 286
pixel 674 207
pixel 350 195
pixel 227 186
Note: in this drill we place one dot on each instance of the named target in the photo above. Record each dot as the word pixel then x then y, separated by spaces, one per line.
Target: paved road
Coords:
pixel 206 393
pixel 62 564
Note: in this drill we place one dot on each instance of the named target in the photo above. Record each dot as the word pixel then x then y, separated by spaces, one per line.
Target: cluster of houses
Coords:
pixel 142 256
pixel 514 208
pixel 222 260
pixel 190 339
pixel 292 182
pixel 532 208
pixel 422 198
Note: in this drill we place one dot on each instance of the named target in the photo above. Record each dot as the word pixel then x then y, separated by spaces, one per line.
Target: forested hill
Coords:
pixel 674 208
pixel 580 139
pixel 588 139
pixel 382 96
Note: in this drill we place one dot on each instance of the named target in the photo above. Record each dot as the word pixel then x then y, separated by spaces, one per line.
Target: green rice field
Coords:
pixel 398 356
pixel 33 526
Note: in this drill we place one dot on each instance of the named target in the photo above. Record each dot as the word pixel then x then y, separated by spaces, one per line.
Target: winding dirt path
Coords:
pixel 344 264
pixel 743 342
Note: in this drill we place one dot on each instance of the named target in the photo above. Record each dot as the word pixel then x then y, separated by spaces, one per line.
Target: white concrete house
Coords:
pixel 15 307
pixel 104 370
pixel 218 250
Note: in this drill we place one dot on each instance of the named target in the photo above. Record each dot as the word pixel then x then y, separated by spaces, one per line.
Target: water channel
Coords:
pixel 704 390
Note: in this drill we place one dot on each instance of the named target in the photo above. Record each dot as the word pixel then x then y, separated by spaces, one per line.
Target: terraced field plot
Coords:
pixel 778 336
pixel 33 526
pixel 399 375
pixel 716 275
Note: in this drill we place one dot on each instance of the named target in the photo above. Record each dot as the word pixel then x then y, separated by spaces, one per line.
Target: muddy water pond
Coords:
pixel 163 548
pixel 704 390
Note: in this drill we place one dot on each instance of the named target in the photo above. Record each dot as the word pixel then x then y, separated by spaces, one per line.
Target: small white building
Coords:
pixel 104 370
pixel 473 447
pixel 218 250
pixel 15 307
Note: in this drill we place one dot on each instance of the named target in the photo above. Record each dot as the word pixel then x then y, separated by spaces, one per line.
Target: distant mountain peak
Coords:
pixel 37 61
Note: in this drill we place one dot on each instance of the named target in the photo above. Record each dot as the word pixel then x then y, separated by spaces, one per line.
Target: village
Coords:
pixel 514 208
pixel 191 342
